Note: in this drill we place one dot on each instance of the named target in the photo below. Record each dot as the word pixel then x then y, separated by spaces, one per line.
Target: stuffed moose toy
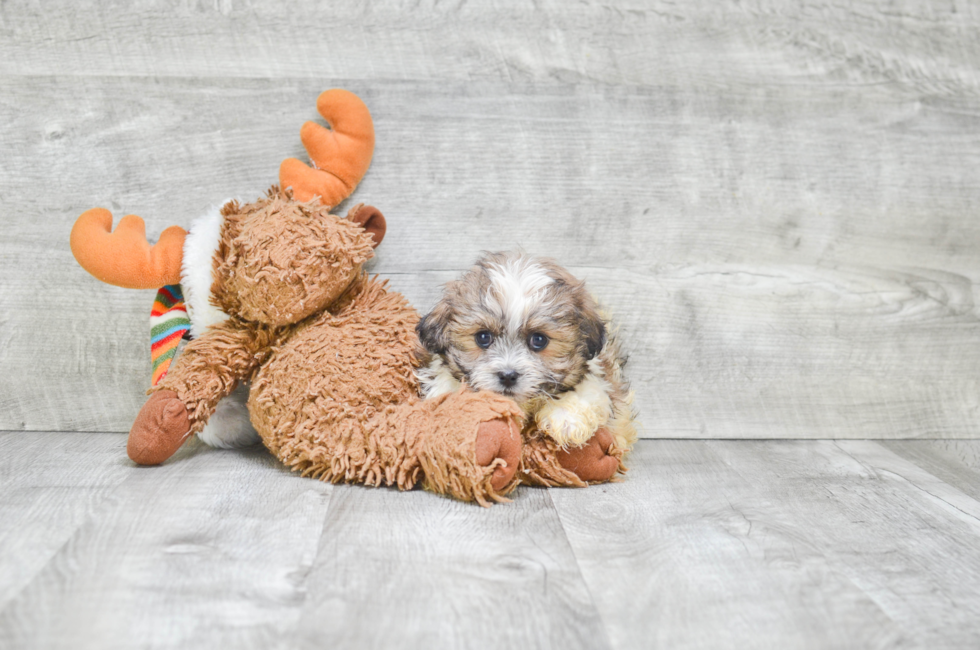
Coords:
pixel 276 296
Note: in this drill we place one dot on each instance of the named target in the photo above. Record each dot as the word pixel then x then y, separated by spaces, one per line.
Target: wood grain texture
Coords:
pixel 209 550
pixel 704 544
pixel 776 202
pixel 802 544
pixel 956 462
pixel 51 484
pixel 434 573
pixel 628 42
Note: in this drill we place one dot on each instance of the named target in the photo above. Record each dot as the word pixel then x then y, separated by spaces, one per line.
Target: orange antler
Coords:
pixel 124 257
pixel 340 156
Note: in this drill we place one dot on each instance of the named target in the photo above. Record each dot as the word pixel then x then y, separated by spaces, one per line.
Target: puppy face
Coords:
pixel 516 325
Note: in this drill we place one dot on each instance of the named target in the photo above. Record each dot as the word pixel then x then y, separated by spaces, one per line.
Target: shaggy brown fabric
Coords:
pixel 542 462
pixel 315 397
pixel 448 452
pixel 280 261
pixel 338 402
pixel 211 366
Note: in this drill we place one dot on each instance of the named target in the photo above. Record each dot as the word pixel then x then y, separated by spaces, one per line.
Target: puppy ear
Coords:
pixel 433 328
pixel 593 330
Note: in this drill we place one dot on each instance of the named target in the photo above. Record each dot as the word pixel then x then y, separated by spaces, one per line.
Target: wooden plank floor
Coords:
pixel 777 200
pixel 706 544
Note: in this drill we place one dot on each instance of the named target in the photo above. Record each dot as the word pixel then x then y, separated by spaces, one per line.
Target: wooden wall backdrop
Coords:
pixel 778 200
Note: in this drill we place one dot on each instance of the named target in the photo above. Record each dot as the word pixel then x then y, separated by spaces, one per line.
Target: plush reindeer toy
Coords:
pixel 276 296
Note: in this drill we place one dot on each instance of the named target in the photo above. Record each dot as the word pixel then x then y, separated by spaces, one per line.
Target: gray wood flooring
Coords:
pixel 778 201
pixel 706 544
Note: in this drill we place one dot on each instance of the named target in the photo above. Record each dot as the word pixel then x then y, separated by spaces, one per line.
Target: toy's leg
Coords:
pixel 473 449
pixel 595 461
pixel 466 445
pixel 499 439
pixel 208 369
pixel 548 464
pixel 161 427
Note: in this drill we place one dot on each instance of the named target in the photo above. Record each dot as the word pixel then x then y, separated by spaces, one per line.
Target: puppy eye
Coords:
pixel 537 341
pixel 484 338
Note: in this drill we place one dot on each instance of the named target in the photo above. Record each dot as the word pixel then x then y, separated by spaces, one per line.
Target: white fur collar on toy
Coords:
pixel 195 273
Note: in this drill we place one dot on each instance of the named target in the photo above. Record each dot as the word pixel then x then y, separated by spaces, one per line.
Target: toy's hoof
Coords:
pixel 591 461
pixel 500 438
pixel 159 430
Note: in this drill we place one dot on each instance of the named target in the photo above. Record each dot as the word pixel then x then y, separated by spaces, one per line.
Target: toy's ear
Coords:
pixel 371 219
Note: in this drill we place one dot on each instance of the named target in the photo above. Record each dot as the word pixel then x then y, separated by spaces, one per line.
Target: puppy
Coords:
pixel 525 327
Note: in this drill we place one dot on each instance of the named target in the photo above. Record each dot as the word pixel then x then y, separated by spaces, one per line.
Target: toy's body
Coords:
pixel 329 351
pixel 333 391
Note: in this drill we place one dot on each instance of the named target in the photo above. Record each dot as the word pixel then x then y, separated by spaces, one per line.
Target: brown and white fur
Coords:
pixel 487 332
pixel 229 426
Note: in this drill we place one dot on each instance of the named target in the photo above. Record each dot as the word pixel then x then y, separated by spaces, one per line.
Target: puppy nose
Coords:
pixel 508 378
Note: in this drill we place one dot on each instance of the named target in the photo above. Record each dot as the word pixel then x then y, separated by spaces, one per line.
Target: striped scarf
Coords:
pixel 168 324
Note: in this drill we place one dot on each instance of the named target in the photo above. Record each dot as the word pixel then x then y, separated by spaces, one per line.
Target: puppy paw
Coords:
pixel 501 439
pixel 572 418
pixel 159 430
pixel 591 461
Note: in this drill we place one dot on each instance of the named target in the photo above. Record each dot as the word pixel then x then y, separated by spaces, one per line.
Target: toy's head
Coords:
pixel 279 260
